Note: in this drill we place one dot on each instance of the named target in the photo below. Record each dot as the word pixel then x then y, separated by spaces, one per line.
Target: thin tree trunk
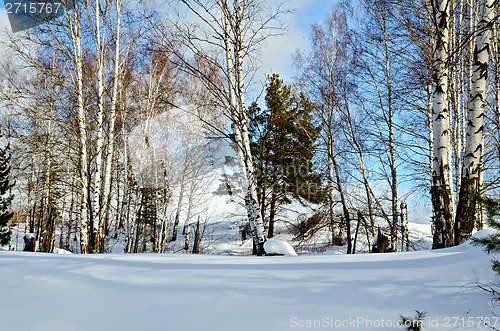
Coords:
pixel 95 239
pixel 82 120
pixel 181 197
pixel 112 119
pixel 138 226
pixel 392 152
pixel 46 221
pixel 359 154
pixel 196 244
pixel 431 132
pixel 458 96
pixel 405 239
pixel 272 211
pixel 331 188
pixel 345 209
pixel 356 234
pixel 497 82
pixel 187 233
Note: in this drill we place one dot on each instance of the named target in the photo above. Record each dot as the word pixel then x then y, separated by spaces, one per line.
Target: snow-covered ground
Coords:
pixel 206 292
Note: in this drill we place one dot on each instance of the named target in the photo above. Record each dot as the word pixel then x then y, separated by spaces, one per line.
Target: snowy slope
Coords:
pixel 188 292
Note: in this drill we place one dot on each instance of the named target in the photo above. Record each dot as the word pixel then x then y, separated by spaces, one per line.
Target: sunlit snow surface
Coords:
pixel 189 292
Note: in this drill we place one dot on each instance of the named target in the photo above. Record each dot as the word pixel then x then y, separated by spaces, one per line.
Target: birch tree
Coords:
pixel 74 19
pixel 107 20
pixel 416 31
pixel 118 63
pixel 441 187
pixel 234 41
pixel 325 76
pixel 232 46
pixel 226 35
pixel 378 59
pixel 471 186
pixel 100 54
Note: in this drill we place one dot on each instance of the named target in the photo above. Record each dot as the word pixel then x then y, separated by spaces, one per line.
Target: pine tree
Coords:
pixel 415 323
pixel 283 145
pixel 491 243
pixel 5 197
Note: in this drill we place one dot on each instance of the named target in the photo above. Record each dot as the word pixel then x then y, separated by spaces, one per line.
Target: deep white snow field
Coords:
pixel 205 292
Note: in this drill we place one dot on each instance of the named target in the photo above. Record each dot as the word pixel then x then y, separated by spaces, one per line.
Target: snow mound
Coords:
pixel 484 233
pixel 62 251
pixel 277 247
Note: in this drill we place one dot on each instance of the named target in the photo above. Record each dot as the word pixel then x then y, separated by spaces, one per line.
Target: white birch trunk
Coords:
pixel 238 119
pixel 331 189
pixel 431 132
pixel 330 140
pixel 441 189
pixel 392 153
pixel 252 183
pixel 112 119
pixel 457 88
pixel 468 209
pixel 186 238
pixel 405 238
pixel 82 120
pixel 497 81
pixel 181 197
pixel 95 242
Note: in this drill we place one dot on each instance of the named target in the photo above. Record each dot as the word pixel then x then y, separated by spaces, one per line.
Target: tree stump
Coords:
pixel 29 242
pixel 382 243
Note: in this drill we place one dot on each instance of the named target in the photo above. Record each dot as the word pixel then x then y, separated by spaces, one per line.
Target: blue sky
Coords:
pixel 276 56
pixel 277 53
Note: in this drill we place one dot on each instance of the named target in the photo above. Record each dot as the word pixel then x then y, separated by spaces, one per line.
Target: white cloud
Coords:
pixel 277 53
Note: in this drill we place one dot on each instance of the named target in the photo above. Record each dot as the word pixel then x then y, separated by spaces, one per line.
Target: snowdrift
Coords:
pixel 188 292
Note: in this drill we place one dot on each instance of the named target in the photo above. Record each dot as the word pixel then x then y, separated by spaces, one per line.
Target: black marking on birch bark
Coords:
pixel 440 116
pixel 480 130
pixel 439 90
pixel 474 97
pixel 469 155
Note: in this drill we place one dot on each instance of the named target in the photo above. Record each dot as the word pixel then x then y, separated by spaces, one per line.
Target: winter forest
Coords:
pixel 123 120
pixel 161 127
